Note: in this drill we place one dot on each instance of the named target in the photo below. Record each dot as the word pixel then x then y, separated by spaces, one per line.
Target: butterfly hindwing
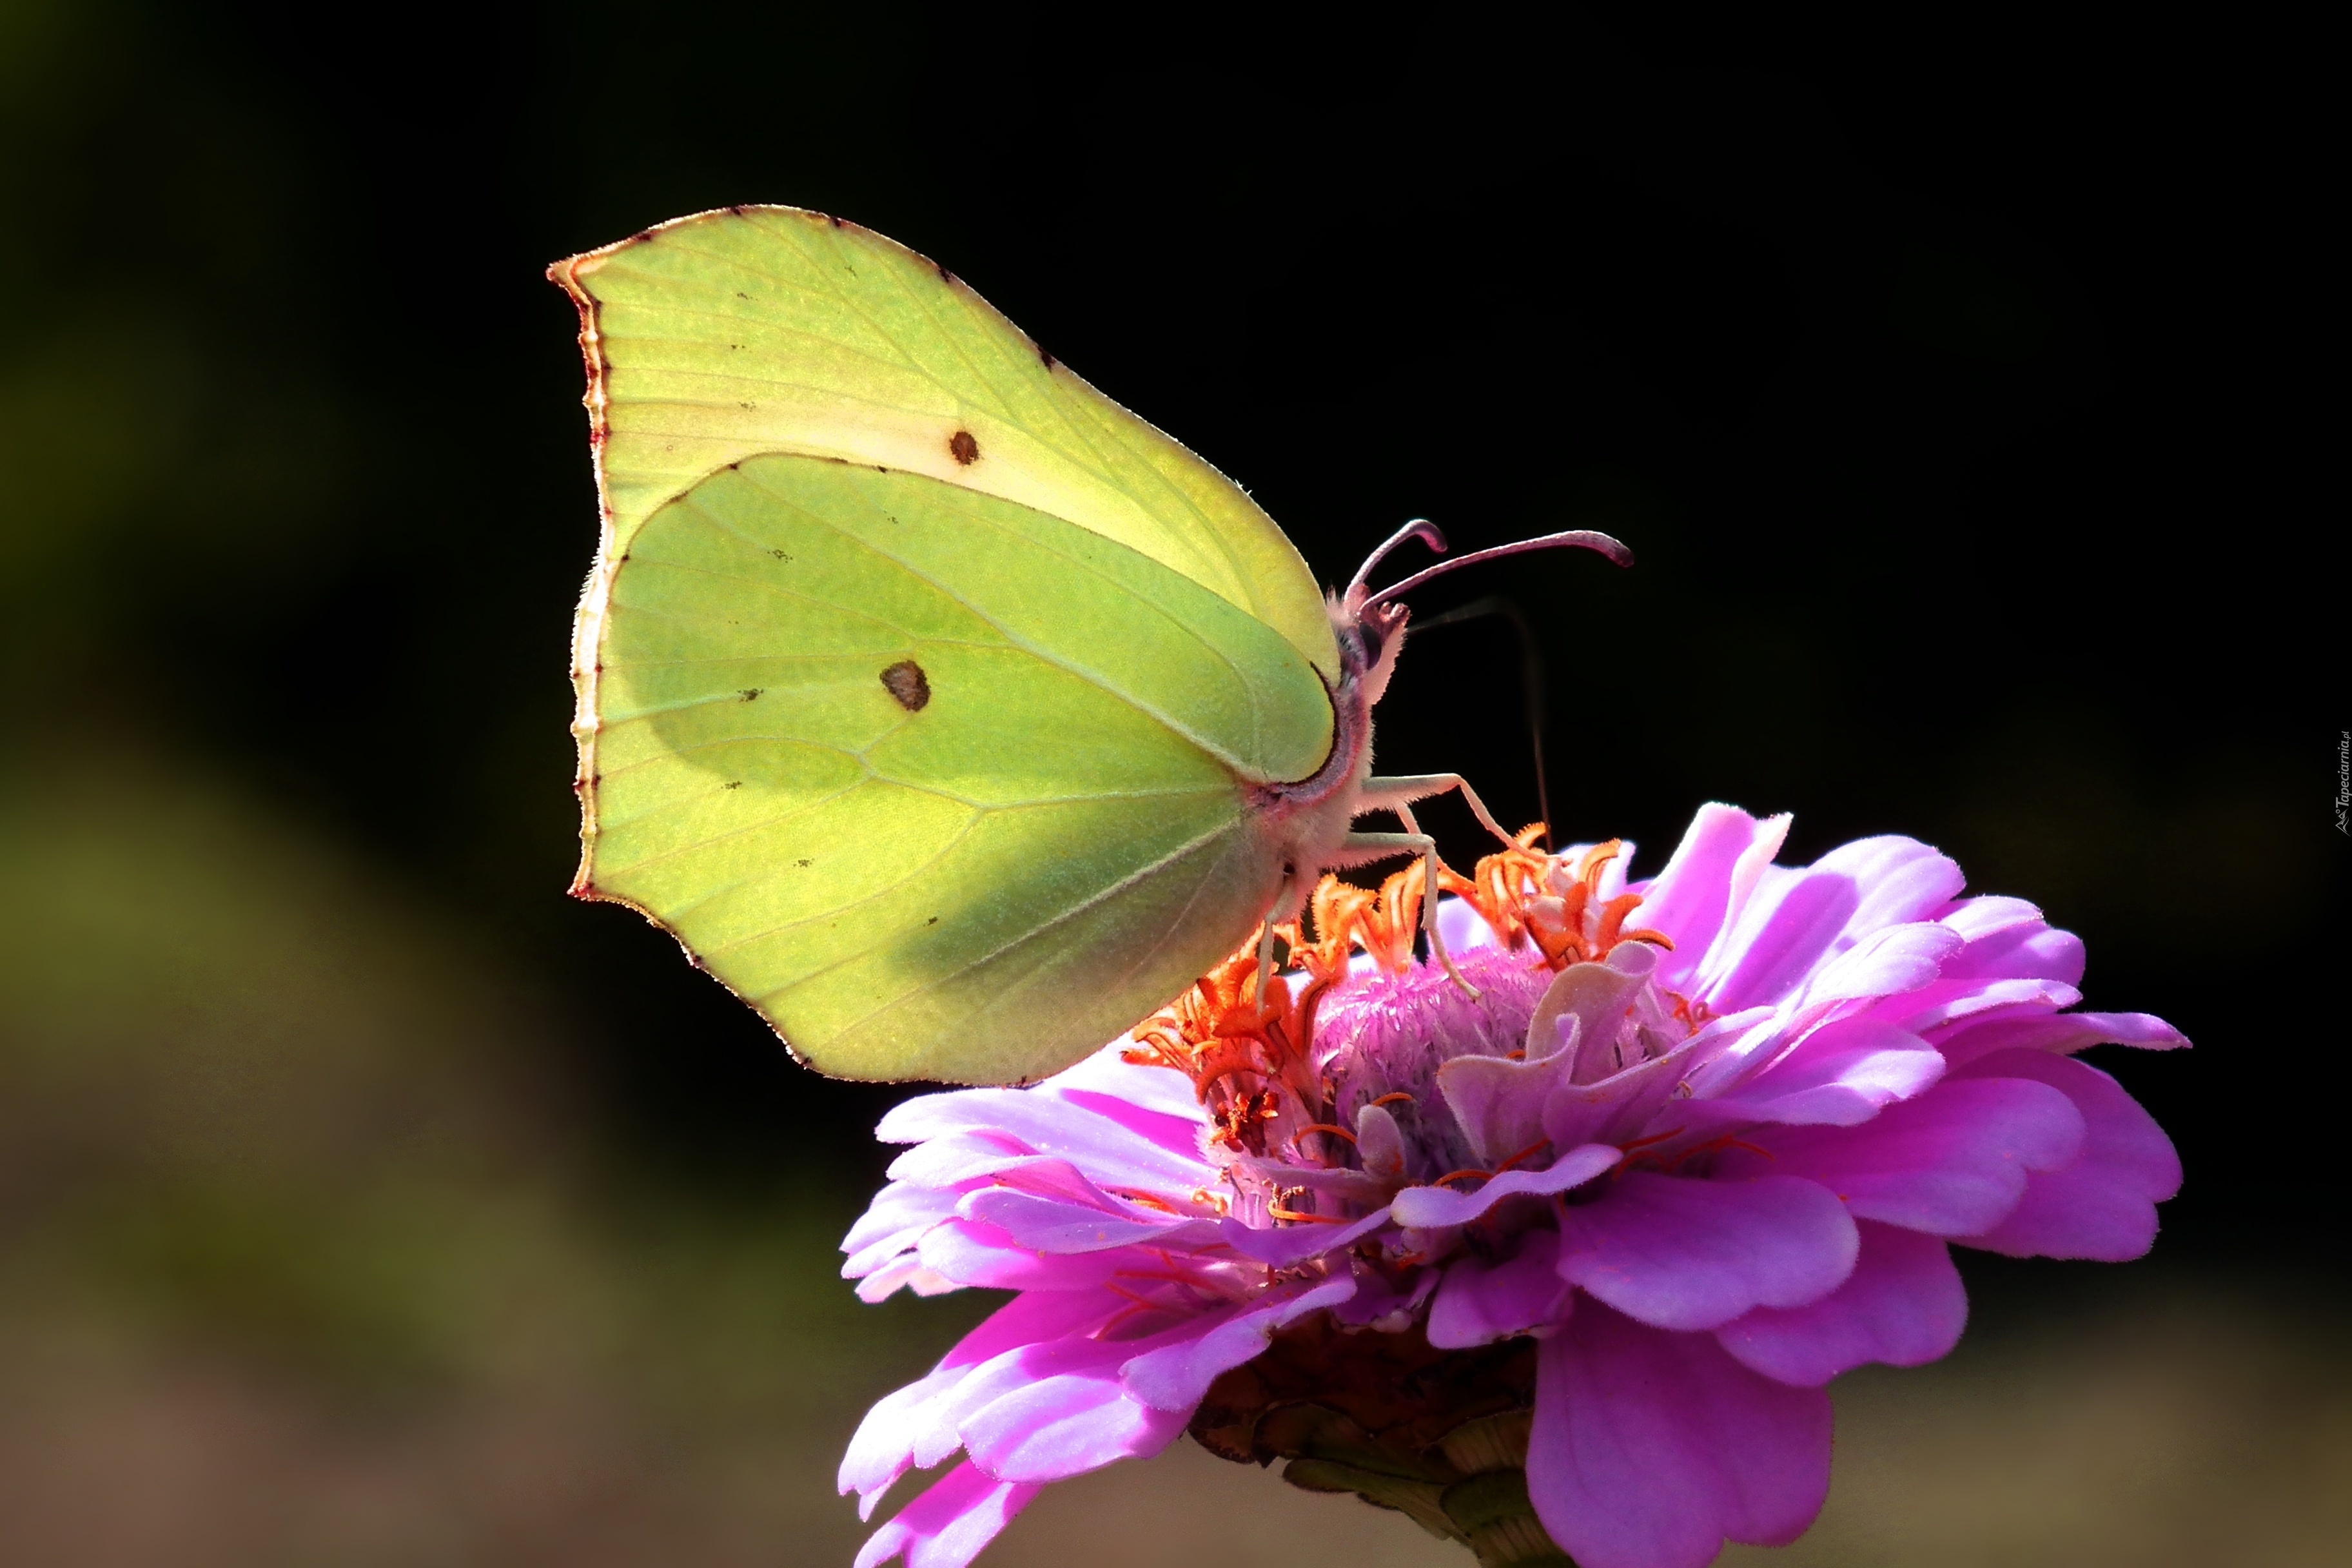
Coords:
pixel 945 786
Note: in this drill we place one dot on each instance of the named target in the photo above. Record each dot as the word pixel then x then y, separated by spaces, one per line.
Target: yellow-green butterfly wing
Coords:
pixel 922 690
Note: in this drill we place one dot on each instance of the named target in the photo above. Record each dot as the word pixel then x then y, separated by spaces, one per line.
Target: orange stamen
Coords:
pixel 1521 1155
pixel 1398 1098
pixel 1145 1199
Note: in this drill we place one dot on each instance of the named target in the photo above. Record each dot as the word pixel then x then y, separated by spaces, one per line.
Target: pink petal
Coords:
pixel 2059 1034
pixel 1176 1377
pixel 1056 1424
pixel 958 1157
pixel 1030 1319
pixel 1988 915
pixel 1479 1303
pixel 984 1255
pixel 1951 1162
pixel 1058 1224
pixel 1107 1075
pixel 1651 1448
pixel 1842 1074
pixel 1047 1124
pixel 1295 1244
pixel 1459 922
pixel 2102 1206
pixel 1684 1253
pixel 1378 1304
pixel 1179 1135
pixel 1887 963
pixel 883 1448
pixel 1904 1304
pixel 949 1524
pixel 917 1430
pixel 1431 1208
pixel 2027 950
pixel 1615 1108
pixel 1950 1001
pixel 1796 922
pixel 1688 900
pixel 907 1273
pixel 894 1222
pixel 1500 1104
pixel 1005 1376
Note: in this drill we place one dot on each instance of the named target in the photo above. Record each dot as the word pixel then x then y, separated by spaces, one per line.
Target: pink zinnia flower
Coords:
pixel 1569 1262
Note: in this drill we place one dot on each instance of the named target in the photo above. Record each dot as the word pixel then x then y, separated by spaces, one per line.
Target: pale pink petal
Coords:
pixel 1431 1208
pixel 2102 1206
pixel 947 1525
pixel 1683 1253
pixel 1951 1162
pixel 1650 1449
pixel 1479 1303
pixel 1904 1304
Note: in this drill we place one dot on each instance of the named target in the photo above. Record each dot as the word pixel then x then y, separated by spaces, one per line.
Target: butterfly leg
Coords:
pixel 1265 945
pixel 1359 848
pixel 1388 795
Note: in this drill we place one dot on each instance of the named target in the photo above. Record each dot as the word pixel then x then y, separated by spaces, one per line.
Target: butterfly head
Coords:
pixel 1369 623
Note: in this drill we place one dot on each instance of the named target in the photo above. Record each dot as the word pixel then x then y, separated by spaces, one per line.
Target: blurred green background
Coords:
pixel 364 1200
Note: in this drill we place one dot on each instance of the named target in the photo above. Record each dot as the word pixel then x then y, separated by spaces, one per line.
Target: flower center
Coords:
pixel 1330 1092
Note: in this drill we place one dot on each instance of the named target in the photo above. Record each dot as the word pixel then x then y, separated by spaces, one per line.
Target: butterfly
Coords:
pixel 952 716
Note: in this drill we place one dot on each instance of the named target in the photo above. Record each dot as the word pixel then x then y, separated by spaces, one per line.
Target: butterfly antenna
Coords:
pixel 1573 539
pixel 1420 528
pixel 1531 681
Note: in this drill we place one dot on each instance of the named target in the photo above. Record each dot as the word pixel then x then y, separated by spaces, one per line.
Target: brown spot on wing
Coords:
pixel 966 449
pixel 908 685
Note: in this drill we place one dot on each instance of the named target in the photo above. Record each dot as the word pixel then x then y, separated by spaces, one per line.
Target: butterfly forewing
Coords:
pixel 762 329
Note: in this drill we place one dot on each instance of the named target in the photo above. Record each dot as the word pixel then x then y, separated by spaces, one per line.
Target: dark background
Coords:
pixel 1958 388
